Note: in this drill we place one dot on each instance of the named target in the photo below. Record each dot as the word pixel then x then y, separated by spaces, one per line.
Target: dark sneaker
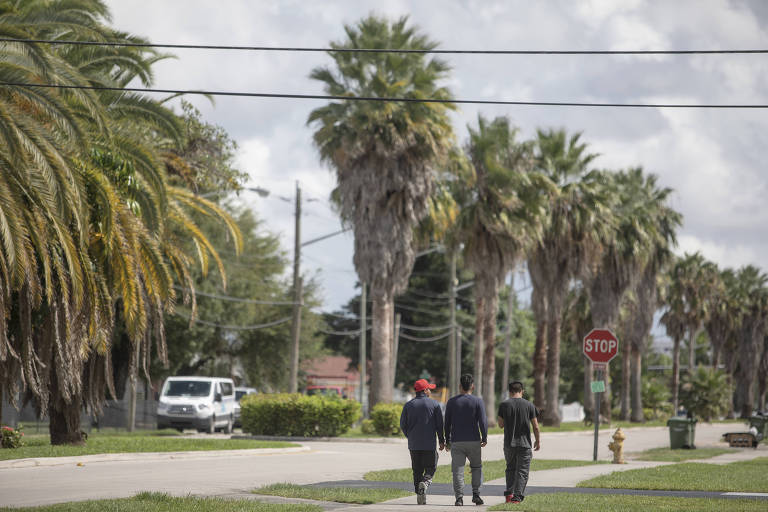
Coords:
pixel 459 501
pixel 421 495
pixel 476 499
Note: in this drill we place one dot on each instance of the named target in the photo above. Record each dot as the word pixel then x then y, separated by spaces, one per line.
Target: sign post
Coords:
pixel 600 346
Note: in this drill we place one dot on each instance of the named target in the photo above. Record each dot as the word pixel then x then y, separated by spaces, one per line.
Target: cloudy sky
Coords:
pixel 713 159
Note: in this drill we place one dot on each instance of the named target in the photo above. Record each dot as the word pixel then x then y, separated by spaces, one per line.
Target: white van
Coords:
pixel 204 403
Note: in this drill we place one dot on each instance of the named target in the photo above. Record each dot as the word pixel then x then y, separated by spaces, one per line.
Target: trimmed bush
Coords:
pixel 367 427
pixel 386 419
pixel 297 415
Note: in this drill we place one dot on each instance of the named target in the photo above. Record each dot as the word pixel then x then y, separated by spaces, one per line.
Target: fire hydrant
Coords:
pixel 617 446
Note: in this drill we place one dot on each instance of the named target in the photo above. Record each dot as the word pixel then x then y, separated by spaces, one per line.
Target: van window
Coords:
pixel 227 389
pixel 187 388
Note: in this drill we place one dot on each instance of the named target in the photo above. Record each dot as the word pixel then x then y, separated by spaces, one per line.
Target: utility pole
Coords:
pixel 363 328
pixel 453 377
pixel 510 307
pixel 458 352
pixel 296 325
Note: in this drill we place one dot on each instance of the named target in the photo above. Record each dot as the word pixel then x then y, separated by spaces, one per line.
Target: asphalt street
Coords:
pixel 45 481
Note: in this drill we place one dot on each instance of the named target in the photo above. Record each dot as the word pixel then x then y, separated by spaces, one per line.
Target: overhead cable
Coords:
pixel 235 299
pixel 427 328
pixel 343 333
pixel 425 340
pixel 237 327
pixel 377 50
pixel 391 100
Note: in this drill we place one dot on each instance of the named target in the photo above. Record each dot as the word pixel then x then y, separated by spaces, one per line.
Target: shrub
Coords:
pixel 706 393
pixel 367 427
pixel 386 419
pixel 11 438
pixel 297 415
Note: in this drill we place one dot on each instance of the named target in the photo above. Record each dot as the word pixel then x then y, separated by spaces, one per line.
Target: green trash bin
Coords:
pixel 682 432
pixel 760 423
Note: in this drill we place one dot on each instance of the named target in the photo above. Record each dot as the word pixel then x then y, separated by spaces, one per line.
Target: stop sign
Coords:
pixel 601 345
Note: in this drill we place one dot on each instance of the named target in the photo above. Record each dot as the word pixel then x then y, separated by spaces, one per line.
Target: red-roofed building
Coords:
pixel 333 373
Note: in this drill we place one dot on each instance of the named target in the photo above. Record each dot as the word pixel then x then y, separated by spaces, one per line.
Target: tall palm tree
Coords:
pixel 499 218
pixel 752 300
pixel 384 155
pixel 690 284
pixel 722 318
pixel 573 225
pixel 638 204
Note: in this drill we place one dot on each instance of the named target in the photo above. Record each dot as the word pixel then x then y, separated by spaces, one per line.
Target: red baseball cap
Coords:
pixel 422 384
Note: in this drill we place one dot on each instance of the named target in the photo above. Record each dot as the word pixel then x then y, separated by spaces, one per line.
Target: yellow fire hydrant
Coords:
pixel 617 446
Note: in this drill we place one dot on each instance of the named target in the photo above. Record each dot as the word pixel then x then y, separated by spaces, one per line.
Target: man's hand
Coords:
pixel 447 447
pixel 536 445
pixel 442 446
pixel 482 445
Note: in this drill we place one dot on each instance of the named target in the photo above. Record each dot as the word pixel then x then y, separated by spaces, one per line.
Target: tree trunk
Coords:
pixel 63 416
pixel 625 380
pixel 381 345
pixel 715 356
pixel 691 351
pixel 480 307
pixel 589 397
pixel 540 352
pixel 636 369
pixel 552 408
pixel 489 354
pixel 675 374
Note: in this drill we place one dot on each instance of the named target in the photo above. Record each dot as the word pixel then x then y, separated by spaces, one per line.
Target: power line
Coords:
pixel 235 299
pixel 343 333
pixel 394 99
pixel 236 327
pixel 425 340
pixel 427 328
pixel 380 50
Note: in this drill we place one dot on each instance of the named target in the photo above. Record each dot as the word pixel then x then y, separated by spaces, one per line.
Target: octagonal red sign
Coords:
pixel 601 345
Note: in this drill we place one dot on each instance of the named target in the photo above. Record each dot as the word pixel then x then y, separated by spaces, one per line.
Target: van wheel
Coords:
pixel 230 424
pixel 212 425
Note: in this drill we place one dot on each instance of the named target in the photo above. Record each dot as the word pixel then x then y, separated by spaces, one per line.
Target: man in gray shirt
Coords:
pixel 516 415
pixel 466 432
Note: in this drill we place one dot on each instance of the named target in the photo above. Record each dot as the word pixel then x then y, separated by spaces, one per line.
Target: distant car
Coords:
pixel 203 403
pixel 240 392
pixel 327 390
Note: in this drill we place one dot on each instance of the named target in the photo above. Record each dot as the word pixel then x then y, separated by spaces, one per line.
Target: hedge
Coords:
pixel 297 415
pixel 386 419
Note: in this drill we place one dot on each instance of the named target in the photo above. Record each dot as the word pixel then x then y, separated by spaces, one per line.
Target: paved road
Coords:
pixel 226 473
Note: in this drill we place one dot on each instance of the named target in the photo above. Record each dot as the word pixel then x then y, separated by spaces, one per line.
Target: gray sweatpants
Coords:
pixel 518 466
pixel 460 452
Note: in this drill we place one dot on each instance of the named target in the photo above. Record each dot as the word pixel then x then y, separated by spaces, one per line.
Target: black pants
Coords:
pixel 423 463
pixel 518 465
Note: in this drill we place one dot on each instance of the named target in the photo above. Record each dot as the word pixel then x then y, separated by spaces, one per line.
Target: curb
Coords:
pixel 379 440
pixel 143 456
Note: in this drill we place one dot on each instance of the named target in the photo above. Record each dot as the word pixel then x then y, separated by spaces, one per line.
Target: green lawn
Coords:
pixel 669 455
pixel 337 494
pixel 745 476
pixel 492 469
pixel 156 502
pixel 123 442
pixel 565 502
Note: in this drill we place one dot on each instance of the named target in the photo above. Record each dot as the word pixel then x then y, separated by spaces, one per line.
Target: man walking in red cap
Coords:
pixel 420 421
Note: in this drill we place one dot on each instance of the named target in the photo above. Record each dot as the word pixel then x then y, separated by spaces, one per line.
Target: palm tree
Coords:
pixel 85 219
pixel 721 320
pixel 690 283
pixel 752 301
pixel 638 205
pixel 572 227
pixel 384 154
pixel 500 209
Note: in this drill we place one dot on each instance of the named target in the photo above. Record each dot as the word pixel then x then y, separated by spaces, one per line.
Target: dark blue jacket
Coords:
pixel 465 419
pixel 420 421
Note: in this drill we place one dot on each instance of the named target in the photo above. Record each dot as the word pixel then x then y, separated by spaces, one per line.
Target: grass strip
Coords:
pixel 39 446
pixel 158 502
pixel 492 469
pixel 669 455
pixel 743 476
pixel 571 502
pixel 337 494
